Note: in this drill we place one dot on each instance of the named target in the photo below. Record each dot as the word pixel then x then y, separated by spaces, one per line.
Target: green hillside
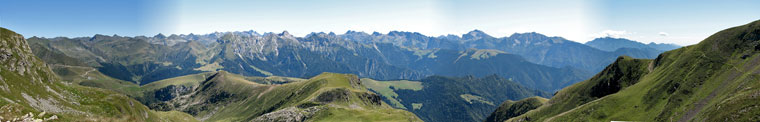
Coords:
pixel 715 80
pixel 510 109
pixel 439 98
pixel 222 96
pixel 31 92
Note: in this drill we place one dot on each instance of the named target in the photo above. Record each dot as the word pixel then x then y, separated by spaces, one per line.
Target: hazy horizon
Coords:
pixel 682 23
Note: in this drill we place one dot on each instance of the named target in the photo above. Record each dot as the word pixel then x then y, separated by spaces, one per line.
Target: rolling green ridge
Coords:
pixel 715 80
pixel 32 92
pixel 509 109
pixel 222 96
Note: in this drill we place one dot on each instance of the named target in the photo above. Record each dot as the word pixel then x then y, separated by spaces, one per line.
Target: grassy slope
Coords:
pixel 620 74
pixel 387 88
pixel 88 76
pixel 251 99
pixel 36 89
pixel 714 80
pixel 510 108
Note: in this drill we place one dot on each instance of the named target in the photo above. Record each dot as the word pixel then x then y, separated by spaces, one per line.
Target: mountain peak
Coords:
pixel 355 32
pixel 476 34
pixel 612 44
pixel 476 31
pixel 160 36
pixel 528 34
pixel 612 39
pixel 285 33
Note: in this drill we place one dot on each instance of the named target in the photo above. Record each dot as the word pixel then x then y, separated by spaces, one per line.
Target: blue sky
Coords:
pixel 662 21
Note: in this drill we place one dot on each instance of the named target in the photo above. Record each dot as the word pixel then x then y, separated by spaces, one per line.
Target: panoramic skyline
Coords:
pixel 678 22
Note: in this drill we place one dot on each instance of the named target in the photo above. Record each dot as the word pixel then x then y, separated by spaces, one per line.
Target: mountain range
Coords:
pixel 528 58
pixel 612 44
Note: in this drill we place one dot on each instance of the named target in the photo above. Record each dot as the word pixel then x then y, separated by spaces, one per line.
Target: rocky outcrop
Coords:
pixel 290 114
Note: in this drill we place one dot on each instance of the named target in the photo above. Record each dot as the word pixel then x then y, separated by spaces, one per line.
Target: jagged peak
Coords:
pixel 99 37
pixel 285 33
pixel 528 34
pixel 450 36
pixel 160 36
pixel 356 32
pixel 476 32
pixel 312 34
pixel 321 36
pixel 396 33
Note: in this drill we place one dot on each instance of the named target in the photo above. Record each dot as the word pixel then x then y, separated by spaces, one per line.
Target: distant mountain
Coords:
pixel 556 51
pixel 486 62
pixel 663 46
pixel 251 53
pixel 714 80
pixel 613 44
pixel 32 92
pixel 439 98
pixel 534 47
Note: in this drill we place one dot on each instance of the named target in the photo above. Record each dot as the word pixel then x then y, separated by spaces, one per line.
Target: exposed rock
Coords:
pixel 338 94
pixel 371 98
pixel 290 114
pixel 170 92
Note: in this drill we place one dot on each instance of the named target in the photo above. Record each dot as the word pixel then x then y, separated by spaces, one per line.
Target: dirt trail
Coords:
pixel 650 67
pixel 88 72
pixel 568 111
pixel 266 91
pixel 83 67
